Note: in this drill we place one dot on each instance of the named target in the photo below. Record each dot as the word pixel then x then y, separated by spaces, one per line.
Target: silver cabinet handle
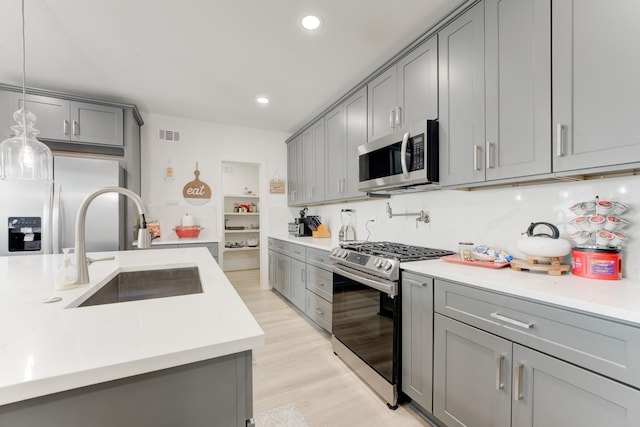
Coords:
pixel 398 116
pixel 392 118
pixel 517 395
pixel 75 126
pixel 490 155
pixel 320 312
pixel 499 384
pixel 560 139
pixel 476 157
pixel 506 319
pixel 302 276
pixel 65 127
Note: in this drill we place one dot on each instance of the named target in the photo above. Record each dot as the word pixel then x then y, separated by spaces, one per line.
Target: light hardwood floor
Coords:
pixel 296 365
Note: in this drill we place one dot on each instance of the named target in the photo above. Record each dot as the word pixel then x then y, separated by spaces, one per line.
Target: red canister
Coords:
pixel 604 264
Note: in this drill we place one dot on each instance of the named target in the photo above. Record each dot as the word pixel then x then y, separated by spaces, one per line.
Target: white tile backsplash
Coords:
pixel 494 217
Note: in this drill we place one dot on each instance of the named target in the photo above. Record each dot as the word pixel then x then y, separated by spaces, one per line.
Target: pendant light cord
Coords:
pixel 24 67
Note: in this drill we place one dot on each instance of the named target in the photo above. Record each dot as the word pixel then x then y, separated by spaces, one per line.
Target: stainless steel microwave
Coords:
pixel 401 161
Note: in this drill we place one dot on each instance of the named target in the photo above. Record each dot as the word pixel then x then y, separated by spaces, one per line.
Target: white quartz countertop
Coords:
pixel 615 299
pixel 47 348
pixel 326 243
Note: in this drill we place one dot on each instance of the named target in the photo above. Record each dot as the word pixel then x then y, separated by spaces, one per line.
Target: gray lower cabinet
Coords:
pixel 72 121
pixel 500 361
pixel 211 392
pixel 298 287
pixel 462 100
pixel 303 276
pixel 595 84
pixel 417 339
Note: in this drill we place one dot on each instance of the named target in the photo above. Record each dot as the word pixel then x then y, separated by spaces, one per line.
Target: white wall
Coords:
pixel 494 217
pixel 209 144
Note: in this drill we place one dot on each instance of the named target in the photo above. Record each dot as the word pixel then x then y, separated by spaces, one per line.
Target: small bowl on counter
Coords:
pixel 188 231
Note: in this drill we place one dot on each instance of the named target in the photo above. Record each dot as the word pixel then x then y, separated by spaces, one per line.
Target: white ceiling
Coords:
pixel 209 59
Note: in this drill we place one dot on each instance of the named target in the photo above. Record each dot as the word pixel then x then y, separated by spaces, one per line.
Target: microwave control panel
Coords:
pixel 416 145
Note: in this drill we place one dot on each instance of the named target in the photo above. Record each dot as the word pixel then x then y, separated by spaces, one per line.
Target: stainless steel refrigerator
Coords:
pixel 40 218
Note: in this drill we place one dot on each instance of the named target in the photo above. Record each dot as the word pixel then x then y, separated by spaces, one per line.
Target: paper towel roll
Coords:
pixel 186 221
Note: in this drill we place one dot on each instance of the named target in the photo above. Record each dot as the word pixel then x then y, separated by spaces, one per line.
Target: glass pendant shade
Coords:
pixel 22 156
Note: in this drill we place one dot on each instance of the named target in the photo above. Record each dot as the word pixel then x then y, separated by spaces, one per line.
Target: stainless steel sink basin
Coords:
pixel 147 284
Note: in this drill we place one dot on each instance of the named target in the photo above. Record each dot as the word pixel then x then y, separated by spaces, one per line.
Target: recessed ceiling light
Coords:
pixel 311 22
pixel 262 100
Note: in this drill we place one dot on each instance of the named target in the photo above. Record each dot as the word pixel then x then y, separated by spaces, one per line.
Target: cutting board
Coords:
pixel 455 258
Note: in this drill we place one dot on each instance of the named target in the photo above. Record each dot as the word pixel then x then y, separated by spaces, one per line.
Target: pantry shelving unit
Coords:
pixel 239 228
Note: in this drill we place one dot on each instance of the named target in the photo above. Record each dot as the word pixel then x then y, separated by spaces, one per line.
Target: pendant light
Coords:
pixel 23 157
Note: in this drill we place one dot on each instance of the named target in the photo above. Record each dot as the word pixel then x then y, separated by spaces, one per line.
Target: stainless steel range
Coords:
pixel 366 309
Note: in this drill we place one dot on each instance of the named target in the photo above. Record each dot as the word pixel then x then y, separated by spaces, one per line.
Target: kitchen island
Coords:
pixel 164 361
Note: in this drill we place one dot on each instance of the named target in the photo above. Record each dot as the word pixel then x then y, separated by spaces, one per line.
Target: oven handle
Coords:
pixel 388 288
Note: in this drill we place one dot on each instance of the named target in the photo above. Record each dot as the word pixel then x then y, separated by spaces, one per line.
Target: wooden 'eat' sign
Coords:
pixel 196 192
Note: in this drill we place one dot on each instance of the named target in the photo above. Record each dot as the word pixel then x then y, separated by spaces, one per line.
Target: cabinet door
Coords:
pixel 461 98
pixel 555 393
pixel 382 93
pixel 294 184
pixel 96 124
pixel 283 275
pixel 313 163
pixel 336 153
pixel 52 116
pixel 596 64
pixel 418 84
pixel 471 376
pixel 417 339
pixel 272 268
pixel 518 88
pixel 355 112
pixel 298 286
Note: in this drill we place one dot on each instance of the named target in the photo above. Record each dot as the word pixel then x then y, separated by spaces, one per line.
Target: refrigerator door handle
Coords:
pixel 55 228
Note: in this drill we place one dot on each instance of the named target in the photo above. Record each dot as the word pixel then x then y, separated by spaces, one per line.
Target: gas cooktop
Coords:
pixel 398 251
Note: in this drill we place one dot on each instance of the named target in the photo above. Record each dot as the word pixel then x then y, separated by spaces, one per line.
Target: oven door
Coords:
pixel 366 318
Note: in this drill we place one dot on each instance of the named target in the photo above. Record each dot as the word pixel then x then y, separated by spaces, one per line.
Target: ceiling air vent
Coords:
pixel 169 135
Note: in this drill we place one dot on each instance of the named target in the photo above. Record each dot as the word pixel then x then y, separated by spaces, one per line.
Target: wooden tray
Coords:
pixel 455 258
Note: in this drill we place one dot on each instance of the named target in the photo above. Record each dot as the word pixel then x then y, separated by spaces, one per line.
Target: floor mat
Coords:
pixel 283 416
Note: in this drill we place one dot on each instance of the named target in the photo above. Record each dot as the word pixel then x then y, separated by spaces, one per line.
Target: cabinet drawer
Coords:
pixel 319 258
pixel 271 243
pixel 597 344
pixel 282 247
pixel 320 281
pixel 298 252
pixel 319 310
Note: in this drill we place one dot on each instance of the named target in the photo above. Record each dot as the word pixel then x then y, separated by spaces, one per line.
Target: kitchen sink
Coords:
pixel 147 284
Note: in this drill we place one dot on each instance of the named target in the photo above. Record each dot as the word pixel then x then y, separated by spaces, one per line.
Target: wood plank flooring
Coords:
pixel 296 365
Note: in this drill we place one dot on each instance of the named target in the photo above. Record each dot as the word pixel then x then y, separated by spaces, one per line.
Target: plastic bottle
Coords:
pixel 65 274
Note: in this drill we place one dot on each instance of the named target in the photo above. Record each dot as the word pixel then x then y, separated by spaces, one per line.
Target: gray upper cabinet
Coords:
pixel 313 149
pixel 461 100
pixel 73 121
pixel 405 93
pixel 346 129
pixel 518 88
pixel 294 168
pixel 596 65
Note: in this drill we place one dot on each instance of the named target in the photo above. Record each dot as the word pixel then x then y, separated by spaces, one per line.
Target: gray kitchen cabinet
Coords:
pixel 298 284
pixel 462 98
pixel 313 149
pixel 555 393
pixel 405 93
pixel 485 376
pixel 417 339
pixel 272 267
pixel 346 129
pixel 518 88
pixel 282 282
pixel 596 65
pixel 471 376
pixel 295 186
pixel 319 283
pixel 73 121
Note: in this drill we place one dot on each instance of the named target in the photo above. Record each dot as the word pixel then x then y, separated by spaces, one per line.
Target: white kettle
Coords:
pixel 543 244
